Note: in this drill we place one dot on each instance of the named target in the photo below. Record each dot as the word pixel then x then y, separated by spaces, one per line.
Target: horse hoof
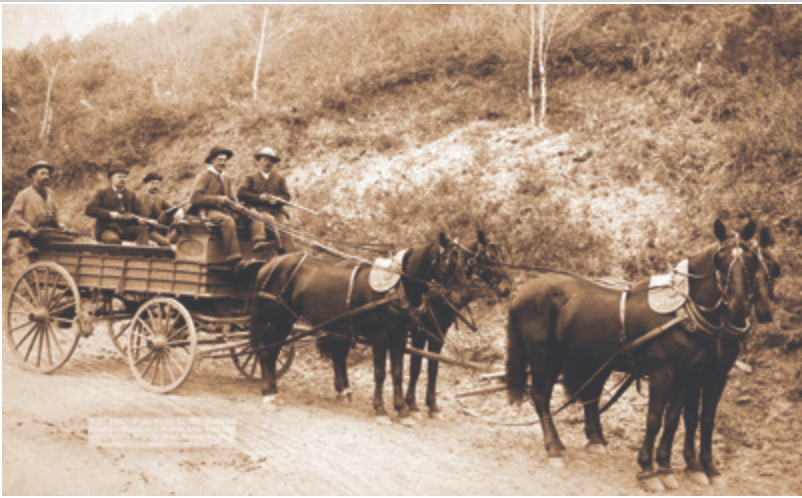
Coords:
pixel 597 449
pixel 556 462
pixel 416 415
pixel 669 481
pixel 435 415
pixel 407 422
pixel 697 477
pixel 384 420
pixel 718 480
pixel 652 485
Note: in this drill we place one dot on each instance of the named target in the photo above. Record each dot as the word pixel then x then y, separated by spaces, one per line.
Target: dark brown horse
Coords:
pixel 484 265
pixel 298 285
pixel 702 469
pixel 570 325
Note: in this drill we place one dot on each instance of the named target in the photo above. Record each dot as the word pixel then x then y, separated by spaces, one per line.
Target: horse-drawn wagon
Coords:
pixel 163 308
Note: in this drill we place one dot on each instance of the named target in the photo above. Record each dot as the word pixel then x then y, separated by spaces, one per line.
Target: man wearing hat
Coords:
pixel 115 208
pixel 264 190
pixel 211 195
pixel 154 207
pixel 35 209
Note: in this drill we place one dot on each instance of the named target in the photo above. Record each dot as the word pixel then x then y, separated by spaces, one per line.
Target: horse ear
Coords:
pixel 766 240
pixel 444 240
pixel 749 231
pixel 480 236
pixel 720 230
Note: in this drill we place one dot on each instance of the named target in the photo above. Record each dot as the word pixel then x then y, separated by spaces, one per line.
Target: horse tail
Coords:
pixel 516 359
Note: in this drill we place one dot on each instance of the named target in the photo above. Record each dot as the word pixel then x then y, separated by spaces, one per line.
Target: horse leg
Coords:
pixel 711 395
pixel 673 411
pixel 398 343
pixel 546 366
pixel 593 428
pixel 415 361
pixel 433 367
pixel 659 386
pixel 690 412
pixel 339 358
pixel 379 373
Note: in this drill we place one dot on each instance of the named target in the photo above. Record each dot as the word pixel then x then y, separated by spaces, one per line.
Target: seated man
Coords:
pixel 152 206
pixel 114 209
pixel 264 190
pixel 211 196
pixel 34 214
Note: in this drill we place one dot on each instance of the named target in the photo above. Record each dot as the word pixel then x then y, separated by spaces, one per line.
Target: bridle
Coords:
pixel 723 284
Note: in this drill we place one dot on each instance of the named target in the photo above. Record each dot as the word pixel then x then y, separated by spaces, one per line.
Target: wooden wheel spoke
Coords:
pixel 62 320
pixel 29 322
pixel 47 331
pixel 27 335
pixel 176 333
pixel 38 285
pixel 58 344
pixel 170 370
pixel 41 341
pixel 33 295
pixel 147 355
pixel 62 309
pixel 56 301
pixel 153 358
pixel 46 292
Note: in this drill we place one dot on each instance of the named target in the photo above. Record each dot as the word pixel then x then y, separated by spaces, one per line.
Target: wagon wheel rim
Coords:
pixel 247 362
pixel 42 317
pixel 162 345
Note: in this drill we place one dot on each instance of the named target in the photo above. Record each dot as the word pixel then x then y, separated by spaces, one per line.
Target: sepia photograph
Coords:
pixel 377 249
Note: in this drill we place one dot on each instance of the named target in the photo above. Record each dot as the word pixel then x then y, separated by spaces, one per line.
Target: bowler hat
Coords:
pixel 37 165
pixel 117 167
pixel 216 151
pixel 267 152
pixel 152 176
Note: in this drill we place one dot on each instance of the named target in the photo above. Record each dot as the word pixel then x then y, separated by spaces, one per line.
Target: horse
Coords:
pixel 296 285
pixel 566 324
pixel 702 469
pixel 484 264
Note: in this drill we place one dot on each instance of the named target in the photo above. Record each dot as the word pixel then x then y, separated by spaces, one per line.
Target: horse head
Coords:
pixel 767 271
pixel 736 266
pixel 439 263
pixel 485 263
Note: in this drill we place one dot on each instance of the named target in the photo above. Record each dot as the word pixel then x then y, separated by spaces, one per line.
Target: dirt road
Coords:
pixel 309 444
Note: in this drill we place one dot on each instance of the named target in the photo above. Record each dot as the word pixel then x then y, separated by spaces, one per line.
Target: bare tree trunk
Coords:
pixel 532 65
pixel 255 82
pixel 542 66
pixel 47 119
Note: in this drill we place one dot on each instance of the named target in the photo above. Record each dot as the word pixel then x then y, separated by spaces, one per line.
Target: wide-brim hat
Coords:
pixel 152 176
pixel 38 165
pixel 117 167
pixel 267 152
pixel 216 151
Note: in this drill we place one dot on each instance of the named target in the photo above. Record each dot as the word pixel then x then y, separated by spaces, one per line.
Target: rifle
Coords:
pixel 175 208
pixel 148 221
pixel 291 204
pixel 65 232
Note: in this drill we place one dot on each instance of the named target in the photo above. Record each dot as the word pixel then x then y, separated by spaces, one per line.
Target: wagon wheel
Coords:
pixel 118 325
pixel 42 317
pixel 247 362
pixel 162 345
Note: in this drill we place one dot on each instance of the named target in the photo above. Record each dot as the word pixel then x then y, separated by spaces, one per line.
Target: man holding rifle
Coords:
pixel 153 207
pixel 266 190
pixel 34 214
pixel 115 210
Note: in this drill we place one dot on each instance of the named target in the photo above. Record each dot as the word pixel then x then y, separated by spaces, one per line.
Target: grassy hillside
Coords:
pixel 400 121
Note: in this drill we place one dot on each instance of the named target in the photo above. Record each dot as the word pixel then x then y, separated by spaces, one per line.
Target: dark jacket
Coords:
pixel 104 202
pixel 208 190
pixel 152 206
pixel 255 184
